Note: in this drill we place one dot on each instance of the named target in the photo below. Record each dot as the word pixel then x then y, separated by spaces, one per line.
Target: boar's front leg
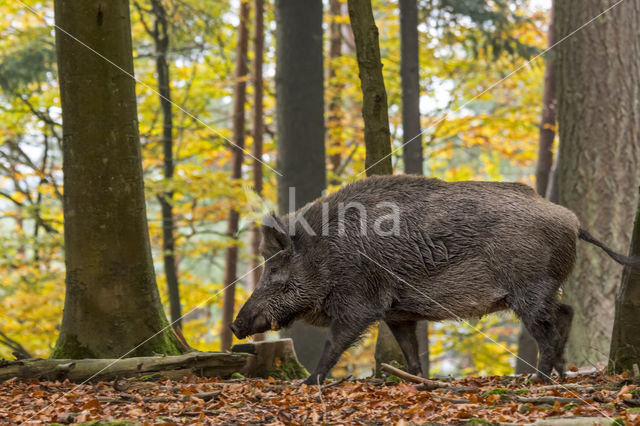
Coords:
pixel 405 334
pixel 342 334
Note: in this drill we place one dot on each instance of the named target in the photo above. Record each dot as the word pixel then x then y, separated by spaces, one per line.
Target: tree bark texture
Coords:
pixel 258 132
pixel 239 98
pixel 377 136
pixel 598 170
pixel 112 303
pixel 527 347
pixel 410 75
pixel 625 341
pixel 300 129
pixel 335 89
pixel 161 41
pixel 205 364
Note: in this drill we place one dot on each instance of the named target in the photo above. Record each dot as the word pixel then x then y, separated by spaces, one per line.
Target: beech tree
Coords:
pixel 625 341
pixel 239 98
pixel 112 306
pixel 300 129
pixel 599 162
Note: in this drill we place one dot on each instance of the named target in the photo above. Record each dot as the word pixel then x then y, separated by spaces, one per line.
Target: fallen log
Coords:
pixel 426 383
pixel 206 364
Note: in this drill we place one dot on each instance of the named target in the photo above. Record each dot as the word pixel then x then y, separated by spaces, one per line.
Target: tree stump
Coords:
pixel 272 358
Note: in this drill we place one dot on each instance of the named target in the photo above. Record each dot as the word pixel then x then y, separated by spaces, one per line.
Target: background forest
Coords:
pixel 480 104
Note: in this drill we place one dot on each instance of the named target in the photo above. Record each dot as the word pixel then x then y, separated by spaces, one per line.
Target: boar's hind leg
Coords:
pixel 549 325
pixel 341 336
pixel 564 315
pixel 405 334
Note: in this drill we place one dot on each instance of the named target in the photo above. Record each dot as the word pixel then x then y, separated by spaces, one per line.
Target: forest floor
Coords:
pixel 194 400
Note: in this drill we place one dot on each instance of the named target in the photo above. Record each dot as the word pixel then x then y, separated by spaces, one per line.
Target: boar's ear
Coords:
pixel 274 236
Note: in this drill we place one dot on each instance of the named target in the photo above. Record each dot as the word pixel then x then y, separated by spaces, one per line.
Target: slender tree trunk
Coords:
pixel 625 342
pixel 527 346
pixel 112 305
pixel 376 132
pixel 599 163
pixel 335 90
pixel 411 133
pixel 410 75
pixel 258 131
pixel 377 136
pixel 300 118
pixel 239 98
pixel 161 41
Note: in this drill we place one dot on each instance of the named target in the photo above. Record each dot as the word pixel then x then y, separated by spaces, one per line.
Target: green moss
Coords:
pixel 68 347
pixel 633 410
pixel 391 379
pixel 618 422
pixel 478 422
pixel 522 391
pixel 237 375
pixel 290 369
pixel 525 409
pixel 496 391
pixel 570 407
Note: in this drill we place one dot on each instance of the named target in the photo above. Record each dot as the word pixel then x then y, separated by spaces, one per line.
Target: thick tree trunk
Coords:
pixel 376 132
pixel 239 98
pixel 410 75
pixel 599 161
pixel 411 133
pixel 112 306
pixel 625 341
pixel 527 346
pixel 161 41
pixel 374 105
pixel 335 89
pixel 300 118
pixel 258 131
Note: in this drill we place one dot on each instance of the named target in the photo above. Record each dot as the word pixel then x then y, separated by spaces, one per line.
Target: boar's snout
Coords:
pixel 243 327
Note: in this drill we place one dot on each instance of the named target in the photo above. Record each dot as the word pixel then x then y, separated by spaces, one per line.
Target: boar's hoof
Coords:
pixel 540 378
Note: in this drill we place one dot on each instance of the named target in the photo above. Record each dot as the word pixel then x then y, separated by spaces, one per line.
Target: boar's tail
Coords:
pixel 620 258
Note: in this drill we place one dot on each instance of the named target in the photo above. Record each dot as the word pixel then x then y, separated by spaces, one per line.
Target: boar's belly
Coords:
pixel 453 303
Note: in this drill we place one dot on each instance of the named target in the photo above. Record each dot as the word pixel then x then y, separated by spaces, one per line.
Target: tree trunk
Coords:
pixel 527 346
pixel 376 132
pixel 161 41
pixel 411 133
pixel 112 306
pixel 598 171
pixel 374 106
pixel 300 120
pixel 258 131
pixel 625 342
pixel 410 75
pixel 239 98
pixel 335 89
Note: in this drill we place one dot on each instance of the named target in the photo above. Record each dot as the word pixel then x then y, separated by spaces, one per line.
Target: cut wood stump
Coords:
pixel 272 358
pixel 206 364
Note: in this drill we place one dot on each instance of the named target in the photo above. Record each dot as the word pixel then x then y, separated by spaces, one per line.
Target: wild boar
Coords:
pixel 407 248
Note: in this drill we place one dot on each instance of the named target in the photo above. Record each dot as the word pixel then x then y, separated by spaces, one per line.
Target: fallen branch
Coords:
pixel 207 364
pixel 128 398
pixel 547 400
pixel 335 383
pixel 426 383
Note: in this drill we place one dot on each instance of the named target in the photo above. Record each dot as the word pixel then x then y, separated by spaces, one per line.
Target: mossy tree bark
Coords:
pixel 599 161
pixel 112 307
pixel 376 131
pixel 625 341
pixel 239 98
pixel 300 130
pixel 527 347
pixel 377 136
